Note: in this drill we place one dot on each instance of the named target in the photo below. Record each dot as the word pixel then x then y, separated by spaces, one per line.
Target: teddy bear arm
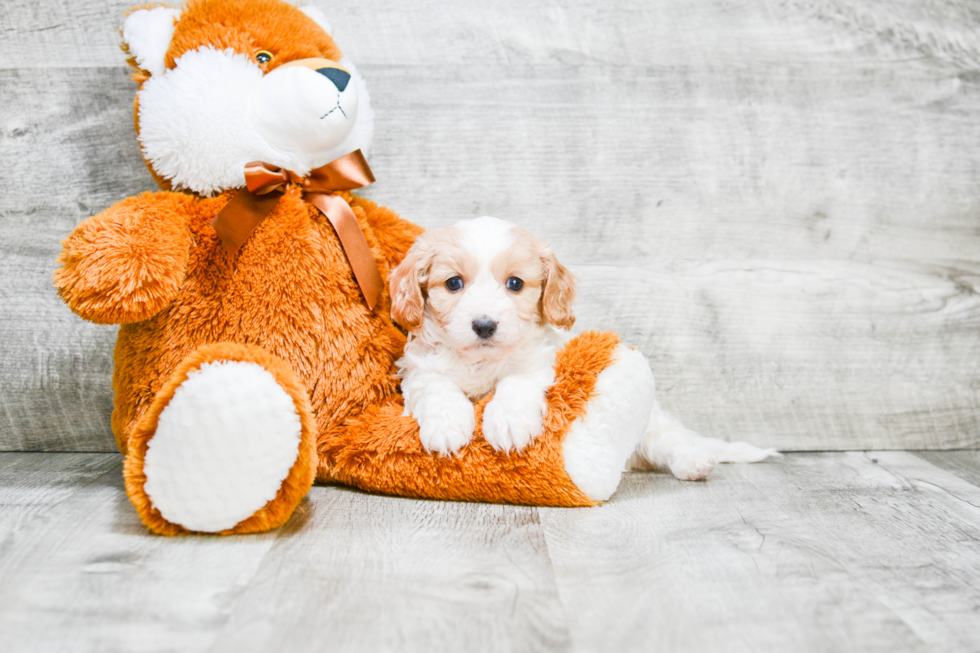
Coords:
pixel 393 234
pixel 126 263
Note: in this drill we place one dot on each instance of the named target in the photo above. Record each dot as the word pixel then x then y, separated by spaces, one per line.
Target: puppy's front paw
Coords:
pixel 691 463
pixel 513 419
pixel 446 425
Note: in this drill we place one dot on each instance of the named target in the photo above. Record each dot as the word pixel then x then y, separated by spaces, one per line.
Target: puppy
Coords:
pixel 483 301
pixel 487 305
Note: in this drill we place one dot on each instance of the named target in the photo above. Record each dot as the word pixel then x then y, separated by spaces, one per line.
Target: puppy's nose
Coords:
pixel 337 76
pixel 484 327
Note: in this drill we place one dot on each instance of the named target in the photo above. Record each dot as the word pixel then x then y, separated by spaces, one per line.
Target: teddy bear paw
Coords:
pixel 223 446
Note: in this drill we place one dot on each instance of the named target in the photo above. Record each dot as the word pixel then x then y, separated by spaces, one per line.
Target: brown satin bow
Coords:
pixel 264 181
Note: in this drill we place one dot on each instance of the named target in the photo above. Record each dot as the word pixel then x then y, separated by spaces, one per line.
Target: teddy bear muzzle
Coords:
pixel 305 106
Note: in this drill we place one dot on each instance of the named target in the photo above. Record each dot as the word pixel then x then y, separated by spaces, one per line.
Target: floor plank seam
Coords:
pixel 554 575
pixel 288 529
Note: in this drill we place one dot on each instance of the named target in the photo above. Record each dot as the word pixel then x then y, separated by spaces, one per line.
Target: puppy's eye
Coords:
pixel 453 284
pixel 263 56
pixel 514 284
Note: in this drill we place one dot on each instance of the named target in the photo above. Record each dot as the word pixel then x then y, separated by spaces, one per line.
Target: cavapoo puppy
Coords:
pixel 487 305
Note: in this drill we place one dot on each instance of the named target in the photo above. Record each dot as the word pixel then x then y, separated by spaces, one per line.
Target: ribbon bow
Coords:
pixel 264 183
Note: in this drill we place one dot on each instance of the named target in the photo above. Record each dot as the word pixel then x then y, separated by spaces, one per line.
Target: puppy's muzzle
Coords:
pixel 484 327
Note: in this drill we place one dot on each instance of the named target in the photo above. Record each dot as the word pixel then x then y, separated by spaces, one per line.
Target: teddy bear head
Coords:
pixel 226 82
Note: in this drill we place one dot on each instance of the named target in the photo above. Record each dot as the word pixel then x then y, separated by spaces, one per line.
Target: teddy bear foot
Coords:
pixel 600 443
pixel 227 447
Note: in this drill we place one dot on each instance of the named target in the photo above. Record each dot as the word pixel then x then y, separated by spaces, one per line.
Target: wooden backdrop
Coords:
pixel 778 201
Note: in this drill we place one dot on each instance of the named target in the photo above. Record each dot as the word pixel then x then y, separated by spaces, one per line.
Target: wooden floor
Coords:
pixel 875 551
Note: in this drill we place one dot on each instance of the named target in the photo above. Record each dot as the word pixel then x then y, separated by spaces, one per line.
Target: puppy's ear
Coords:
pixel 559 292
pixel 405 286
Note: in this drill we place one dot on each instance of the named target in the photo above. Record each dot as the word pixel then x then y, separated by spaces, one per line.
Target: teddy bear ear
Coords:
pixel 147 34
pixel 318 18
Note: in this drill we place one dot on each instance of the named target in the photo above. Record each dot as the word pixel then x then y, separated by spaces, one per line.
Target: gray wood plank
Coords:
pixel 817 552
pixel 368 573
pixel 767 349
pixel 72 151
pixel 33 483
pixel 803 355
pixel 591 172
pixel 837 136
pixel 87 576
pixel 627 32
pixel 965 464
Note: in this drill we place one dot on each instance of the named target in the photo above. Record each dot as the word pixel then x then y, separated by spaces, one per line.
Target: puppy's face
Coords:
pixel 481 286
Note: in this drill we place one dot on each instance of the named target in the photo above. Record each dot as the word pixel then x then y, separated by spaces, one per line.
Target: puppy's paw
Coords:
pixel 447 424
pixel 513 418
pixel 691 463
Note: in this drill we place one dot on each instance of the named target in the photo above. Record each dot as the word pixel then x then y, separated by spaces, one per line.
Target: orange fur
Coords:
pixel 247 26
pixel 300 476
pixel 318 323
pixel 289 302
pixel 407 301
pixel 410 283
pixel 127 263
pixel 380 451
pixel 559 293
pixel 523 260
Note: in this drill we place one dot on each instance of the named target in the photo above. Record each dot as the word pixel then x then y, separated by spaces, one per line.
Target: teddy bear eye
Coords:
pixel 263 56
pixel 514 284
pixel 454 283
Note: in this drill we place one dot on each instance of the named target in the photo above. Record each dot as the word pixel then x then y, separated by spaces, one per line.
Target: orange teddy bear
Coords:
pixel 256 352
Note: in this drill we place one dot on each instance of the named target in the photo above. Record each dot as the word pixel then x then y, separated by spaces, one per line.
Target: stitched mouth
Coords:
pixel 336 108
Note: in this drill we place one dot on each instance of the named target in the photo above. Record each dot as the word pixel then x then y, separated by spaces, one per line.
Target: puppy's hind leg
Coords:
pixel 668 445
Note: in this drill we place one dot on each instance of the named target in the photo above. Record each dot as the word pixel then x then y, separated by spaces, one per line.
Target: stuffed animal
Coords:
pixel 256 349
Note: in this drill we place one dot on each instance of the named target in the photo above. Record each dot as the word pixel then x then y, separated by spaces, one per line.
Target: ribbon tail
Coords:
pixel 240 216
pixel 355 245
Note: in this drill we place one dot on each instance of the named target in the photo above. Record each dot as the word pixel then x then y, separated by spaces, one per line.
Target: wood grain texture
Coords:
pixel 965 464
pixel 819 552
pixel 75 153
pixel 803 355
pixel 865 552
pixel 33 483
pixel 367 573
pixel 788 190
pixel 87 576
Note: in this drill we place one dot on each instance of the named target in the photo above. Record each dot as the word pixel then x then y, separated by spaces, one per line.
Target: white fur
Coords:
pixel 599 443
pixel 215 111
pixel 445 415
pixel 444 366
pixel 222 448
pixel 147 34
pixel 515 414
pixel 668 444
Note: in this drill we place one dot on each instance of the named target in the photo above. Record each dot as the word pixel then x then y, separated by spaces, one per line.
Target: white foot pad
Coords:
pixel 599 443
pixel 223 446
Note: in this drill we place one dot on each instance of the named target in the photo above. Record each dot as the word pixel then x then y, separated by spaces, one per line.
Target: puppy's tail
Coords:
pixel 737 452
pixel 667 444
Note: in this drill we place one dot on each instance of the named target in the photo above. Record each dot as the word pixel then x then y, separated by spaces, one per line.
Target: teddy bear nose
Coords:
pixel 337 76
pixel 484 327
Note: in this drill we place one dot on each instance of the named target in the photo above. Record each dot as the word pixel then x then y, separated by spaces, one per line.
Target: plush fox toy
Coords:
pixel 256 352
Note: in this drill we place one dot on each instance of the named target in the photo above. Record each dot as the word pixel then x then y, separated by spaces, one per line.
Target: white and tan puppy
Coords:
pixel 487 305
